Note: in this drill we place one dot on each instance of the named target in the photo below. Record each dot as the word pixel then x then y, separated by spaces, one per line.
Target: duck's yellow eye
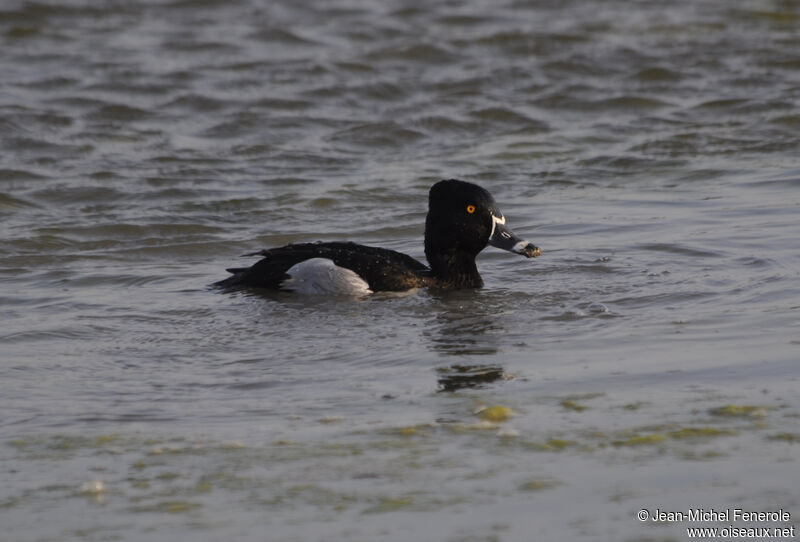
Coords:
pixel 470 209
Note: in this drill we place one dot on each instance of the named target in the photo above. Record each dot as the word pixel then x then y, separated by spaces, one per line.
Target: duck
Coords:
pixel 463 218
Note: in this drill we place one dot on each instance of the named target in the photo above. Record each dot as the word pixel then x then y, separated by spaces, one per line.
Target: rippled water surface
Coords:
pixel 648 359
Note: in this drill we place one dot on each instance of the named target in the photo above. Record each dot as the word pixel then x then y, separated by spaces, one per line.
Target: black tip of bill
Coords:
pixel 529 250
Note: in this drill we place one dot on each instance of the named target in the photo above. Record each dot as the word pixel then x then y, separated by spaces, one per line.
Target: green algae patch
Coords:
pixel 554 445
pixel 740 411
pixel 495 413
pixel 19 443
pixel 410 430
pixel 65 443
pixel 700 433
pixel 537 485
pixel 330 420
pixel 172 449
pixel 169 507
pixel 791 438
pixel 574 403
pixel 233 445
pixel 633 406
pixel 559 444
pixel 641 440
pixel 9 503
pixel 571 404
pixel 104 440
pixel 203 486
pixel 707 455
pixel 661 433
pixel 140 484
pixel 176 507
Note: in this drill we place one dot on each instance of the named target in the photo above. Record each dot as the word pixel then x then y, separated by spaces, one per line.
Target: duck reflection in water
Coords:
pixel 466 327
pixel 458 377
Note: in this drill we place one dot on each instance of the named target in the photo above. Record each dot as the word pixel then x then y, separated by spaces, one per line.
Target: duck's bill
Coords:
pixel 506 239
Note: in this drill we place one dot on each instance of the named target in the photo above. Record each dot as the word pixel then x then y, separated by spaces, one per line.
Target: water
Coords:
pixel 648 358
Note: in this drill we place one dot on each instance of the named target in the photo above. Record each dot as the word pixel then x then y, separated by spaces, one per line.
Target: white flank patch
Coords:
pixel 322 276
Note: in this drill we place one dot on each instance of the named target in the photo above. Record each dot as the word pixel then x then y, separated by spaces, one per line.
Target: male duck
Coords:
pixel 462 219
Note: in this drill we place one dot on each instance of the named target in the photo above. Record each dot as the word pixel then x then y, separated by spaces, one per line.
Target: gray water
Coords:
pixel 647 360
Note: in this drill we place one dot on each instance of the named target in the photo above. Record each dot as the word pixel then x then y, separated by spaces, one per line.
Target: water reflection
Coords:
pixel 457 377
pixel 465 324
